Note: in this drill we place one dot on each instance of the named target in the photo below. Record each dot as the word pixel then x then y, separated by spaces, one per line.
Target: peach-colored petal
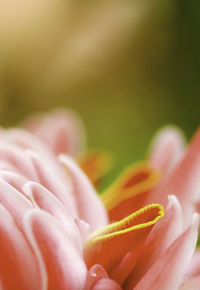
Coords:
pixel 130 190
pixel 183 181
pixel 5 165
pixel 18 266
pixel 90 207
pixel 16 180
pixel 166 149
pixel 26 140
pixel 167 272
pixel 64 265
pixel 95 273
pixel 163 234
pixel 194 266
pixel 123 270
pixel 45 200
pixel 14 201
pixel 107 284
pixel 84 228
pixel 18 160
pixel 62 130
pixel 49 179
pixel 108 245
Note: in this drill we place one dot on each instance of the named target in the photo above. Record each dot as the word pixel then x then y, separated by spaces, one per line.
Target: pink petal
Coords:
pixel 14 201
pixel 16 180
pixel 166 149
pixel 167 272
pixel 18 160
pixel 194 266
pixel 163 234
pixel 95 273
pixel 62 130
pixel 45 200
pixel 26 140
pixel 52 181
pixel 84 229
pixel 90 207
pixel 18 266
pixel 183 181
pixel 64 265
pixel 107 284
pixel 5 165
pixel 124 269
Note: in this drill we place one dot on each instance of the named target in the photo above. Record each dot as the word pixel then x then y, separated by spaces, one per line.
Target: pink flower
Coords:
pixel 58 233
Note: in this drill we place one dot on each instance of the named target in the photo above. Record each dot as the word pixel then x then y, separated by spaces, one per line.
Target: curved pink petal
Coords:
pixel 163 234
pixel 183 181
pixel 14 201
pixel 107 284
pixel 18 266
pixel 95 273
pixel 64 265
pixel 45 200
pixel 194 266
pixel 62 130
pixel 90 207
pixel 5 165
pixel 166 149
pixel 16 180
pixel 52 181
pixel 167 272
pixel 26 140
pixel 18 160
pixel 84 228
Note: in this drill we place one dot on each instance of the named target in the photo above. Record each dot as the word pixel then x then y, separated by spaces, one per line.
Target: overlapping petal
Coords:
pixel 14 201
pixel 163 234
pixel 183 181
pixel 45 200
pixel 18 265
pixel 17 160
pixel 52 181
pixel 90 207
pixel 63 262
pixel 167 272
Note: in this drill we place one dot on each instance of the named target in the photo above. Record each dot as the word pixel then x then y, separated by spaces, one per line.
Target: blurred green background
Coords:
pixel 127 67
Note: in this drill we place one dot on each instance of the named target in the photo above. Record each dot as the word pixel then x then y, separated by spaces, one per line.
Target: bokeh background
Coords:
pixel 127 67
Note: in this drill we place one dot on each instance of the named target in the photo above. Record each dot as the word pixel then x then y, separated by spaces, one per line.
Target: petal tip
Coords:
pixel 195 220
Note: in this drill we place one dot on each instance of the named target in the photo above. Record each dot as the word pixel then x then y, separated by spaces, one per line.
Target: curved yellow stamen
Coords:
pixel 108 245
pixel 120 227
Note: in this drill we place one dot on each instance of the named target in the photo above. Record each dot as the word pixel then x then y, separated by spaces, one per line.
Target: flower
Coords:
pixel 58 233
